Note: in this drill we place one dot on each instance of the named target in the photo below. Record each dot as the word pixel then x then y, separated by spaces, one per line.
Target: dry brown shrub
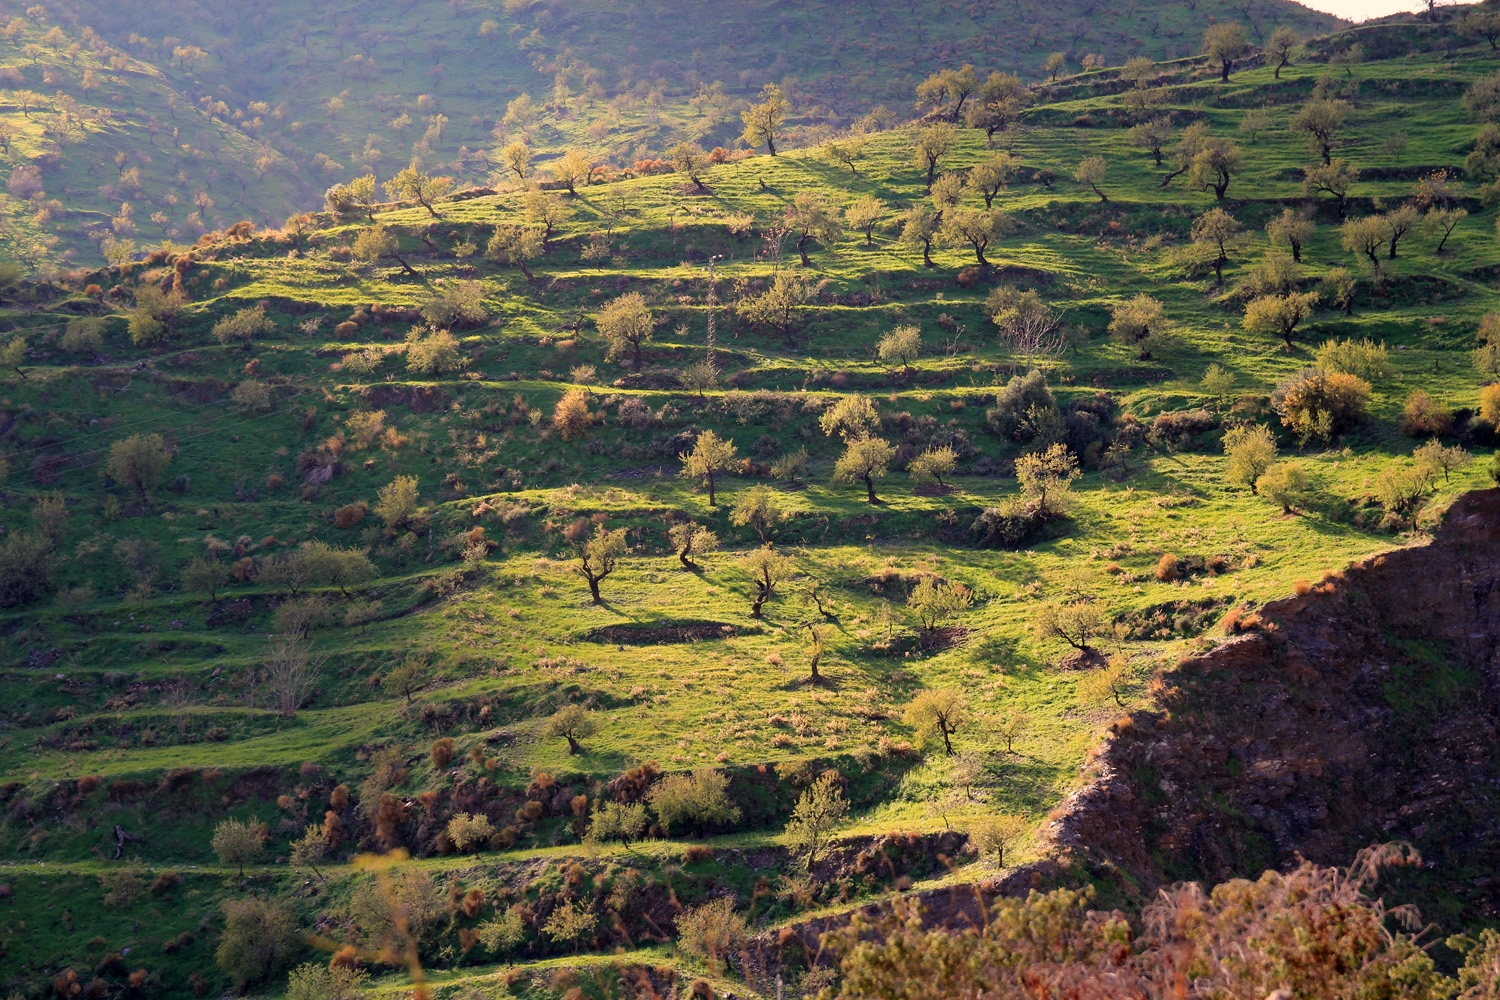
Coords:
pixel 350 515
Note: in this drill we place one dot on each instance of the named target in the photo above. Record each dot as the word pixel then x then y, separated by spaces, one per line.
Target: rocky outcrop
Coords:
pixel 1363 709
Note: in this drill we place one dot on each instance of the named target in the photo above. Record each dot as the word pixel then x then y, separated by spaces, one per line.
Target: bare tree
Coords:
pixel 291 671
pixel 1035 334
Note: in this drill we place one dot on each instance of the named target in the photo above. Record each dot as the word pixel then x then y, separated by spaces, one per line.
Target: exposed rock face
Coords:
pixel 1365 710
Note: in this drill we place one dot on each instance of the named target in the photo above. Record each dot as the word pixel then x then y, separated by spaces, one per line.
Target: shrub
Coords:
pixel 1168 568
pixel 466 831
pixel 83 336
pixel 1489 405
pixel 1177 429
pixel 396 503
pixel 350 514
pixel 1361 358
pixel 1139 323
pixel 259 939
pixel 700 798
pixel 122 887
pixel 1045 480
pixel 618 821
pixel 711 931
pixel 138 462
pixel 1251 450
pixel 1401 491
pixel 1004 526
pixel 326 982
pixel 443 752
pixel 1423 416
pixel 416 898
pixel 458 304
pixel 434 354
pixel 25 568
pixel 571 418
pixel 1315 404
pixel 252 395
pixel 1025 410
pixel 244 326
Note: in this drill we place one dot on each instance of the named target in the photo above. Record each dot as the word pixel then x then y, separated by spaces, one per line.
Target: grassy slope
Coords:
pixel 297 57
pixel 133 109
pixel 505 637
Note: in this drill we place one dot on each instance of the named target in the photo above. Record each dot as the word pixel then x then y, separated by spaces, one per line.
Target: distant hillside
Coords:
pixel 302 95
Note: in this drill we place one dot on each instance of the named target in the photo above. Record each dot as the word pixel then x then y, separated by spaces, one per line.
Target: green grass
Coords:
pixel 90 680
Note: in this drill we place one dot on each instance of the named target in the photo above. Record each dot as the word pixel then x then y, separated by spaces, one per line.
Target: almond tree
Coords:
pixel 768 568
pixel 598 557
pixel 711 455
pixel 764 120
pixel 864 460
pixel 420 186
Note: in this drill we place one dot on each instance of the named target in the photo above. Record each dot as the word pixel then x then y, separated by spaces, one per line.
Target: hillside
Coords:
pixel 295 519
pixel 273 104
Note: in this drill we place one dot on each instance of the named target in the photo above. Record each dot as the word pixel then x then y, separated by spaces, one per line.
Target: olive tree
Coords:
pixel 819 812
pixel 573 723
pixel 942 711
pixel 626 325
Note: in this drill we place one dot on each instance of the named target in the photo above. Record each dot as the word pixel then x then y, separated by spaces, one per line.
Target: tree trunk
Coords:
pixel 802 250
pixel 1172 176
pixel 931 171
pixel 947 745
pixel 1224 76
pixel 404 265
pixel 683 558
pixel 771 144
pixel 712 501
pixel 979 254
pixel 760 598
pixel 594 588
pixel 927 254
pixel 637 360
pixel 1296 252
pixel 573 747
pixel 870 488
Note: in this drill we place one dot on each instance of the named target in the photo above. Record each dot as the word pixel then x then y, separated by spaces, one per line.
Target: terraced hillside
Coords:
pixel 295 519
pixel 219 112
